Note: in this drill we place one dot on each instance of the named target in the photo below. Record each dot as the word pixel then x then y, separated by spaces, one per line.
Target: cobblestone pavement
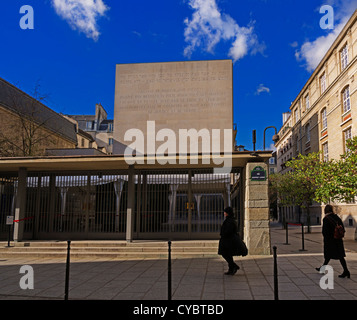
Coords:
pixel 192 279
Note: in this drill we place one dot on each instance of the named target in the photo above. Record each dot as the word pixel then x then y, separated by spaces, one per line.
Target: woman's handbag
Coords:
pixel 240 245
pixel 339 231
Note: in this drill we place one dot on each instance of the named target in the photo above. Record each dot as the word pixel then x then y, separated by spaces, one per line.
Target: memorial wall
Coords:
pixel 174 95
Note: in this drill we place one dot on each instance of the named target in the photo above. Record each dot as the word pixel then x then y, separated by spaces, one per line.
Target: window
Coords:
pixel 323 83
pixel 297 115
pixel 346 100
pixel 89 125
pixel 347 135
pixel 307 102
pixel 307 131
pixel 324 119
pixel 272 160
pixel 110 141
pixel 344 57
pixel 82 143
pixel 325 151
pixel 297 145
pixel 110 127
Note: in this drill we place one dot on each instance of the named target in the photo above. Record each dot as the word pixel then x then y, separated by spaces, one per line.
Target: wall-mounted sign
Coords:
pixel 190 205
pixel 9 220
pixel 258 174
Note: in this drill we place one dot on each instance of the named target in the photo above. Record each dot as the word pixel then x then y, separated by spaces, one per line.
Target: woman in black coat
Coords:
pixel 333 248
pixel 227 244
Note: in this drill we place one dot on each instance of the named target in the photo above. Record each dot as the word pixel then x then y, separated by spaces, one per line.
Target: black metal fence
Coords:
pixel 168 204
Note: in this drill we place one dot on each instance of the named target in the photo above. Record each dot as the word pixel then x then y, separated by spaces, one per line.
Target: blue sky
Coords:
pixel 75 44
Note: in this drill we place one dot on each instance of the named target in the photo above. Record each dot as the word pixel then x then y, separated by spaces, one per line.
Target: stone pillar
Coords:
pixel 198 197
pixel 256 209
pixel 172 206
pixel 130 206
pixel 118 189
pixel 20 206
pixel 51 213
pixel 63 193
pixel 190 201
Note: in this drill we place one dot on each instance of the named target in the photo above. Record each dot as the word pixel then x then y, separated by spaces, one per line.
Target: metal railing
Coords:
pixel 94 205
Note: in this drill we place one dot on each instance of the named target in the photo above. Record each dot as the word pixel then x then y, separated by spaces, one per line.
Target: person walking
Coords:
pixel 333 247
pixel 227 243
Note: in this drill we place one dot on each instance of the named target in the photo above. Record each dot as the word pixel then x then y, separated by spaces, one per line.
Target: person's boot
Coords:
pixel 229 272
pixel 235 269
pixel 345 274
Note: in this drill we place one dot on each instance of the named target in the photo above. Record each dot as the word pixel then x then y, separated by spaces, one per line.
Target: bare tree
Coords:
pixel 28 126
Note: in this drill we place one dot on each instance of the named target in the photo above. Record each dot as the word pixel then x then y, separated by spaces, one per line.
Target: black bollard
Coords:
pixel 169 292
pixel 302 238
pixel 286 234
pixel 67 270
pixel 276 293
pixel 9 237
pixel 10 224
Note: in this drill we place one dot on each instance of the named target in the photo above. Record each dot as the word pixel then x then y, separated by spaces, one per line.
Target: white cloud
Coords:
pixel 312 52
pixel 262 89
pixel 82 15
pixel 272 147
pixel 208 26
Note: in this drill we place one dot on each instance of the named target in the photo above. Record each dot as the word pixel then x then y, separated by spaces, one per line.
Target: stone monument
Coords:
pixel 173 95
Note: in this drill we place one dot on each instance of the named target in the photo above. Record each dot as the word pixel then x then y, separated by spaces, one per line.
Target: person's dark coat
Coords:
pixel 228 242
pixel 333 248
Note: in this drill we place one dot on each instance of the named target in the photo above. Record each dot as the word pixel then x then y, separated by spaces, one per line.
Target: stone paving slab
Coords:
pixel 192 278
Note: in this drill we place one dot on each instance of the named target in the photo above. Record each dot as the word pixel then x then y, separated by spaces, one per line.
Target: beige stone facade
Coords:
pixel 324 114
pixel 28 127
pixel 94 131
pixel 12 138
pixel 256 208
pixel 173 95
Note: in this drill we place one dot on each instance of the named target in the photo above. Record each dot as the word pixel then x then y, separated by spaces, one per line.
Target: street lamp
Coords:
pixel 275 137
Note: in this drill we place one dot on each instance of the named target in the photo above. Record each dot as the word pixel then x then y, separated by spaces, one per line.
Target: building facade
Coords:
pixel 174 99
pixel 28 127
pixel 323 115
pixel 144 196
pixel 98 127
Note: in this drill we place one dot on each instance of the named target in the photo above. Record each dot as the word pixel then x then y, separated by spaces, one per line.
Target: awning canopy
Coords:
pixel 107 163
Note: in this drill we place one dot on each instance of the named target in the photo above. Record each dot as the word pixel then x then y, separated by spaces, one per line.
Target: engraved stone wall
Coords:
pixel 176 95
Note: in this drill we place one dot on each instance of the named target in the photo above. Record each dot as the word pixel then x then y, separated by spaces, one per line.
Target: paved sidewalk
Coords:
pixel 192 279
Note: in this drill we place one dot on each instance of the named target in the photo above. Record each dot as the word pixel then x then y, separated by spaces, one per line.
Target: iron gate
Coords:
pixel 184 204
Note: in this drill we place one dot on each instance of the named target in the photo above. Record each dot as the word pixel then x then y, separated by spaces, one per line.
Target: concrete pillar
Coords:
pixel 130 206
pixel 37 208
pixel 227 195
pixel 190 201
pixel 51 213
pixel 118 189
pixel 256 209
pixel 198 197
pixel 63 193
pixel 20 206
pixel 172 206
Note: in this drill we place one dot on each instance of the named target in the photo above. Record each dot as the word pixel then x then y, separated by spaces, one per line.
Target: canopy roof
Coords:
pixel 107 163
